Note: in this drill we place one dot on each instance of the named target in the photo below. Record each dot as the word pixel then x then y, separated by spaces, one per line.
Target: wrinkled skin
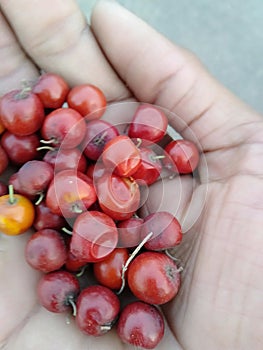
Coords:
pixel 220 305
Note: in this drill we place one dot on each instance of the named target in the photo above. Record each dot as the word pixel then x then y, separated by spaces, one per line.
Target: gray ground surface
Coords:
pixel 226 35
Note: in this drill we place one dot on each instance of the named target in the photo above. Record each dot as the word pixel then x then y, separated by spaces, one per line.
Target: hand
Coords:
pixel 220 305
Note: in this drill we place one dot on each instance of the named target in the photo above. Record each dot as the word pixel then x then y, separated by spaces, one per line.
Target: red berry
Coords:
pixel 182 156
pixel 153 278
pixel 166 230
pixel 119 197
pixel 97 310
pixel 121 156
pixel 148 123
pixel 44 218
pixel 34 176
pixel 88 100
pixel 46 250
pixel 64 127
pixel 20 149
pixel 149 169
pixel 109 271
pixel 22 112
pixel 141 325
pixel 70 193
pixel 57 291
pixel 94 237
pixel 98 134
pixel 52 90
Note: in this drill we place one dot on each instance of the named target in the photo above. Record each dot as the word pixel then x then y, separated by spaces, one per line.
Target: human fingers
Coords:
pixel 15 65
pixel 159 72
pixel 55 34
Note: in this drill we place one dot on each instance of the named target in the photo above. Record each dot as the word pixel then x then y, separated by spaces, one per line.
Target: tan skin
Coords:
pixel 220 305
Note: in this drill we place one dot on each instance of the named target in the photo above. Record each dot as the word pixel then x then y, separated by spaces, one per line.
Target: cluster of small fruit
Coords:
pixel 77 181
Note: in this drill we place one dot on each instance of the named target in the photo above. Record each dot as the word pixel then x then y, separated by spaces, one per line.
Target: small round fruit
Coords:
pixel 34 176
pixel 149 123
pixel 119 197
pixel 20 149
pixel 46 250
pixel 94 237
pixel 16 214
pixel 167 232
pixel 182 156
pixel 88 100
pixel 22 112
pixel 153 278
pixel 97 310
pixel 52 90
pixel 121 156
pixel 108 272
pixel 70 193
pixel 98 134
pixel 44 218
pixel 57 291
pixel 64 127
pixel 141 325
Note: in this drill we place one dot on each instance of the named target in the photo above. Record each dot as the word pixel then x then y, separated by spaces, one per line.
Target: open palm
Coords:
pixel 220 304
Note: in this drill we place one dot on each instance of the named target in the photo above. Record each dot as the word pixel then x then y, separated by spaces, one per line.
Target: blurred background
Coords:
pixel 227 36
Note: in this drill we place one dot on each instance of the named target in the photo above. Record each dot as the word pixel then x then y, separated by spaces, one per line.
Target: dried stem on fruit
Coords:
pixel 132 256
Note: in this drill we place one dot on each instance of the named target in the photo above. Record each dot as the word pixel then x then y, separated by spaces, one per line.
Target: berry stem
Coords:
pixel 11 194
pixel 74 308
pixel 40 198
pixel 43 148
pixel 131 257
pixel 67 231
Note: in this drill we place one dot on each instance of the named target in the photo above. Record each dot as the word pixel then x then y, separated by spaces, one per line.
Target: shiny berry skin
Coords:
pixel 98 134
pixel 149 169
pixel 119 197
pixel 4 160
pixel 88 100
pixel 148 123
pixel 52 90
pixel 44 218
pixel 121 156
pixel 34 176
pixel 130 232
pixel 109 271
pixel 94 237
pixel 22 113
pixel 74 264
pixel 46 250
pixel 20 149
pixel 167 232
pixel 70 193
pixel 64 127
pixel 141 325
pixel 56 290
pixel 153 278
pixel 182 156
pixel 97 310
pixel 62 159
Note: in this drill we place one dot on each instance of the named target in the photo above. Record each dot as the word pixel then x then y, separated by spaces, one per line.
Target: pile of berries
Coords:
pixel 76 179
